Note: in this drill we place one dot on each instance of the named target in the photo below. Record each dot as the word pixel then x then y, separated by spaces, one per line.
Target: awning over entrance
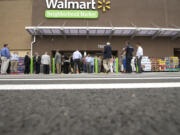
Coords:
pixel 105 31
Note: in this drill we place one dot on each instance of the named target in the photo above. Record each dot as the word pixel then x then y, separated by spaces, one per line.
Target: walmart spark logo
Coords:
pixel 104 5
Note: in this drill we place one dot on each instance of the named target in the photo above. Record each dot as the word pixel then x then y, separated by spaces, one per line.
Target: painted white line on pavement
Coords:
pixel 89 86
pixel 72 79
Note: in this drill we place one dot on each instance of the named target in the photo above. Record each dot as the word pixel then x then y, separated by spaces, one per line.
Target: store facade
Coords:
pixel 86 25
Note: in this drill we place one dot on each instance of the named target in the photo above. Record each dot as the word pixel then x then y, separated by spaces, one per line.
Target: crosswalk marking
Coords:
pixel 88 86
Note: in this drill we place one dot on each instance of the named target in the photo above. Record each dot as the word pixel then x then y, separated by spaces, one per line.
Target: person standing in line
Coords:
pixel 58 61
pixel 111 64
pixel 14 62
pixel 88 63
pixel 81 65
pixel 62 63
pixel 107 57
pixel 129 55
pixel 77 56
pixel 92 64
pixel 139 55
pixel 99 63
pixel 27 63
pixel 45 60
pixel 114 64
pixel 5 56
pixel 71 64
pixel 84 64
pixel 123 60
pixel 66 64
pixel 9 67
pixel 37 62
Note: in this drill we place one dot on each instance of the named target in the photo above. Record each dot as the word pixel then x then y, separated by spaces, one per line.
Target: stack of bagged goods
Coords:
pixel 155 64
pixel 172 64
pixel 162 64
pixel 146 64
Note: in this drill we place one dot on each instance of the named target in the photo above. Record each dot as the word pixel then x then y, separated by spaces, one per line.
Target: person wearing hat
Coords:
pixel 107 57
pixel 5 55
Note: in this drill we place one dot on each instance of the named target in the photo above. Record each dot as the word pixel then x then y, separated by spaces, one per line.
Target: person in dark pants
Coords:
pixel 37 63
pixel 107 57
pixel 27 62
pixel 77 65
pixel 71 64
pixel 66 65
pixel 46 69
pixel 129 55
pixel 139 55
pixel 77 56
pixel 9 68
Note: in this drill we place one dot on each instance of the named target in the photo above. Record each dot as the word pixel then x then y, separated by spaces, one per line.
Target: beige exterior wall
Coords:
pixel 14 16
pixel 142 13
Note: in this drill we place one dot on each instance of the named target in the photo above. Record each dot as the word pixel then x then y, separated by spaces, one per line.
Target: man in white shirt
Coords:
pixel 139 55
pixel 77 56
pixel 14 62
pixel 45 60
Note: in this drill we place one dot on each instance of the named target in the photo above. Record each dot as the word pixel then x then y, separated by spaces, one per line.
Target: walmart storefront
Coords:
pixel 67 25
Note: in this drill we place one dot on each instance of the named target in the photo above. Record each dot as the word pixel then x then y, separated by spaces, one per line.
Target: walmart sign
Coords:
pixel 74 9
pixel 58 4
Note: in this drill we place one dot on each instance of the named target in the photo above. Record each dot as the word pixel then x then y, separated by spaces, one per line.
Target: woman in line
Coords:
pixel 27 62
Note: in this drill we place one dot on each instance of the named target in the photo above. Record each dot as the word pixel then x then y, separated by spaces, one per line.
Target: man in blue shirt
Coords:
pixel 5 55
pixel 92 64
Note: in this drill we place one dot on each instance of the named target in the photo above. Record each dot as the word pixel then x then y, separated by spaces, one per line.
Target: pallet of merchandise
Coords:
pixel 155 64
pixel 162 64
pixel 172 64
pixel 165 64
pixel 146 64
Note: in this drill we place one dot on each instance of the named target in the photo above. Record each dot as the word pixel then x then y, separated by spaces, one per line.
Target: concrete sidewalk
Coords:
pixel 85 75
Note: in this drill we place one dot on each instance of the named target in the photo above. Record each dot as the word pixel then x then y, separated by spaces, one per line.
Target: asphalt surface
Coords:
pixel 90 112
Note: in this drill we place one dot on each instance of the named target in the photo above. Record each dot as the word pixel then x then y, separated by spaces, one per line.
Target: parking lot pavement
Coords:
pixel 90 111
